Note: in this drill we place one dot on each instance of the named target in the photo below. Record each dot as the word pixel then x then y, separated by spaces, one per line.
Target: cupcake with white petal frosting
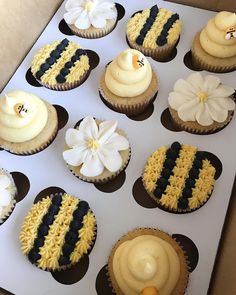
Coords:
pixel 8 193
pixel 90 18
pixel 96 151
pixel 201 104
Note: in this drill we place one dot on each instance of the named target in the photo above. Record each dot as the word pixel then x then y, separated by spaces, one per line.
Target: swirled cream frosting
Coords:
pixel 22 116
pixel 146 261
pixel 218 38
pixel 129 74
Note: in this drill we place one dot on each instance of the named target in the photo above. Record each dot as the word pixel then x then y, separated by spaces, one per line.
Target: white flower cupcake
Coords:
pixel 96 151
pixel 201 104
pixel 90 18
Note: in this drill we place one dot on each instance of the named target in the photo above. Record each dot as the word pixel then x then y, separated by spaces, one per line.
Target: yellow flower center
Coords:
pixel 202 96
pixel 88 6
pixel 93 144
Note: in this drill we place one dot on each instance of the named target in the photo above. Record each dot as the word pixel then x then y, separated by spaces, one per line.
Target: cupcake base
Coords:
pixel 130 106
pixel 195 128
pixel 204 61
pixel 38 143
pixel 183 278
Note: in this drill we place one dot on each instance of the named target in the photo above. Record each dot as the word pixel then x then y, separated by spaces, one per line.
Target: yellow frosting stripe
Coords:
pixel 153 168
pixel 174 32
pixel 42 55
pixel 51 250
pixel 180 173
pixel 31 223
pixel 136 23
pixel 78 70
pixel 86 236
pixel 203 185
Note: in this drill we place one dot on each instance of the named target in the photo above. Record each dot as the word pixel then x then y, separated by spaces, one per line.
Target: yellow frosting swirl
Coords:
pixel 146 261
pixel 129 74
pixel 213 37
pixel 22 116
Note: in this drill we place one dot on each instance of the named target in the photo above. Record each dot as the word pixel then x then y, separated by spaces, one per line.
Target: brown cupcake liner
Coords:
pixel 195 128
pixel 183 258
pixel 130 106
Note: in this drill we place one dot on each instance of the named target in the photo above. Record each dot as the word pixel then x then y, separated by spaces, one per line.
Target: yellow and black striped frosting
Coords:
pixel 179 178
pixel 154 27
pixel 60 62
pixel 57 231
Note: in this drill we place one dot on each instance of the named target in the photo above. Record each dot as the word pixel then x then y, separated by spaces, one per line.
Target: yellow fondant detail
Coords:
pixel 202 96
pixel 136 23
pixel 153 168
pixel 150 291
pixel 203 185
pixel 93 144
pixel 52 249
pixel 31 223
pixel 89 6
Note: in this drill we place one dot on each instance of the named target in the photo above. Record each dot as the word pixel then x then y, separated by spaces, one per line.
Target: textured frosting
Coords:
pixel 7 193
pixel 153 28
pixel 57 231
pixel 60 62
pixel 95 147
pixel 218 38
pixel 146 261
pixel 129 74
pixel 202 99
pixel 86 13
pixel 179 177
pixel 22 116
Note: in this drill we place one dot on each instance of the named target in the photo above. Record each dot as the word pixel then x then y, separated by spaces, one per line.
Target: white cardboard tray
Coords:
pixel 116 212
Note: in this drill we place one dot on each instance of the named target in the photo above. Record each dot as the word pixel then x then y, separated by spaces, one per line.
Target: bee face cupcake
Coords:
pixel 96 151
pixel 154 32
pixel 90 19
pixel 27 123
pixel 60 65
pixel 57 232
pixel 179 178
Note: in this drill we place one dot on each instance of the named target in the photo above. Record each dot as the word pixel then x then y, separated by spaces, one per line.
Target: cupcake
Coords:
pixel 96 151
pixel 129 83
pixel 8 192
pixel 90 18
pixel 214 48
pixel 179 178
pixel 147 261
pixel 154 32
pixel 201 104
pixel 28 124
pixel 60 65
pixel 57 232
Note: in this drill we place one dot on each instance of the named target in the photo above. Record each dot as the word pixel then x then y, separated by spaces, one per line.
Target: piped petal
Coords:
pixel 210 83
pixel 98 21
pixel 83 21
pixel 111 160
pixel 74 138
pixel 88 127
pixel 117 143
pixel 71 16
pixel 185 87
pixel 217 113
pixel 106 129
pixel 75 156
pixel 222 91
pixel 73 4
pixel 202 116
pixel 187 112
pixel 92 166
pixel 225 103
pixel 177 99
pixel 196 80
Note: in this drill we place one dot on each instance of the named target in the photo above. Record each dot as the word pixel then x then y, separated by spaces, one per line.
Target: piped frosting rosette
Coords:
pixel 147 261
pixel 201 103
pixel 129 83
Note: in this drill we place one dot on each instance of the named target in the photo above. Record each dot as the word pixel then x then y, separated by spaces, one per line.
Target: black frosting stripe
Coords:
pixel 43 228
pixel 72 236
pixel 162 38
pixel 148 24
pixel 54 56
pixel 167 170
pixel 61 77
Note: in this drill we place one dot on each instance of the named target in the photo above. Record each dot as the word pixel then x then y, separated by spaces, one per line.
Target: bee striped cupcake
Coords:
pixel 61 65
pixel 154 32
pixel 57 232
pixel 179 178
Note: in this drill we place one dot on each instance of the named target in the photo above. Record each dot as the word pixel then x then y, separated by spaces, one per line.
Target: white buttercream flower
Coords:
pixel 95 147
pixel 5 195
pixel 201 99
pixel 84 13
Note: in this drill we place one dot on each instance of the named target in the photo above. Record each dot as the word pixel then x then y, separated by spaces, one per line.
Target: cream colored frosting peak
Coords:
pixel 225 19
pixel 146 261
pixel 129 74
pixel 22 116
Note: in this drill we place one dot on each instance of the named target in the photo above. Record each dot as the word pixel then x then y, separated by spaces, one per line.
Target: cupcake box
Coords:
pixel 117 212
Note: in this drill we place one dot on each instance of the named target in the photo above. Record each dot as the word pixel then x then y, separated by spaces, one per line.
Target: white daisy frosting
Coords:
pixel 95 147
pixel 86 13
pixel 201 99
